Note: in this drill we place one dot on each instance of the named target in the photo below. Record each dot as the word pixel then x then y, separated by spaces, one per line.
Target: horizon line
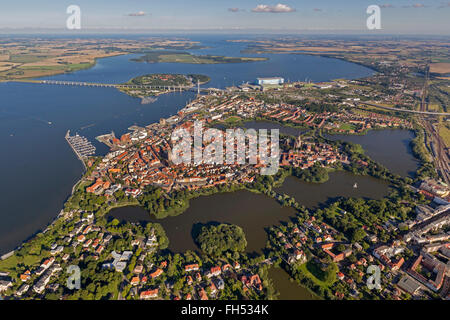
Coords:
pixel 131 31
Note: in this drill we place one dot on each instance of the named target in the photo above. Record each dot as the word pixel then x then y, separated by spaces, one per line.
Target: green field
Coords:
pixel 347 126
pixel 232 120
pixel 312 271
pixel 185 57
pixel 25 58
pixel 12 262
pixel 444 132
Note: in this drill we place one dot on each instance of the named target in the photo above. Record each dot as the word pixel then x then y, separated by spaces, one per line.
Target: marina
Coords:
pixel 80 145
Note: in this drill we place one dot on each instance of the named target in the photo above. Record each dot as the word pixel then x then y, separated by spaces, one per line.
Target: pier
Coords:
pixel 81 146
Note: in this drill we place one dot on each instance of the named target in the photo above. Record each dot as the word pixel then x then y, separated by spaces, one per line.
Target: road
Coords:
pixel 404 110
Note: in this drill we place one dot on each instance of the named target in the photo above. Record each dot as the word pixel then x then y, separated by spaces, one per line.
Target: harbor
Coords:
pixel 81 146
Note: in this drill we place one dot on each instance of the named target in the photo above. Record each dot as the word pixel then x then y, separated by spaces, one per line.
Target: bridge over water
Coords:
pixel 128 86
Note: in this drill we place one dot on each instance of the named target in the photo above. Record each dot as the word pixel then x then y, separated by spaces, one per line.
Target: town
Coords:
pixel 130 261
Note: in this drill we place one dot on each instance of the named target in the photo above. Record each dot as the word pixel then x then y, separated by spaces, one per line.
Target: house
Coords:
pixel 22 290
pixel 138 269
pixel 25 276
pixel 202 294
pixel 252 280
pixel 156 273
pixel 5 284
pixel 48 263
pixel 100 250
pixel 213 288
pixel 57 250
pixel 191 267
pixel 135 281
pixel 149 294
pixel 398 263
pixel 226 267
pixel 215 271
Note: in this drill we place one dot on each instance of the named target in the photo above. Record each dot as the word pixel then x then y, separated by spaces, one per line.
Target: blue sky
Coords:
pixel 401 16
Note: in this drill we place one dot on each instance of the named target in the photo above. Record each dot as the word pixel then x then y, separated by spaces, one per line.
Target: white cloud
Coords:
pixel 137 14
pixel 279 8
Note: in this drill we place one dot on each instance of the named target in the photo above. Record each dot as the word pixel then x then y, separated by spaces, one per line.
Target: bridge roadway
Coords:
pixel 403 110
pixel 118 85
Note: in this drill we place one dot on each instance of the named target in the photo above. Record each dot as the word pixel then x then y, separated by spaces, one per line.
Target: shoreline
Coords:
pixel 61 213
pixel 56 218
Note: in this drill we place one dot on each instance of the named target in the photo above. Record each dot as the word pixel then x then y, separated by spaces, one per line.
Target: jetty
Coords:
pixel 81 146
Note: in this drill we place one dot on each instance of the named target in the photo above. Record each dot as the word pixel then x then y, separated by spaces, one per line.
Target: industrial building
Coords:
pixel 270 81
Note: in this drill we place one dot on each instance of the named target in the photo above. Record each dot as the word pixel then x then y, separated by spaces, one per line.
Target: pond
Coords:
pixel 253 212
pixel 287 289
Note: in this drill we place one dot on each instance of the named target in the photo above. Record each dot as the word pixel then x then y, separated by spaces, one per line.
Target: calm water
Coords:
pixel 253 212
pixel 40 168
pixel 340 184
pixel 288 290
pixel 391 148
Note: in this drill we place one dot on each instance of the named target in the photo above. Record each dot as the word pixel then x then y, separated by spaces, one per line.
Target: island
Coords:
pixel 156 84
pixel 26 58
pixel 217 240
pixel 186 57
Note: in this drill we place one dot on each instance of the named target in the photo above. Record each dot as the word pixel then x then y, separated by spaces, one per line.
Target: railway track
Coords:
pixel 440 156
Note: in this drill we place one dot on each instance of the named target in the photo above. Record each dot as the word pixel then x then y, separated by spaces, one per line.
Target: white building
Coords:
pixel 273 80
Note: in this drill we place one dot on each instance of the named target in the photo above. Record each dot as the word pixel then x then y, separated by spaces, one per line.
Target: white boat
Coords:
pixel 355 186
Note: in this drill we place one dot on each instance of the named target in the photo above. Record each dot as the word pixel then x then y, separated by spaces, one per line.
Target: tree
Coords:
pixel 215 240
pixel 358 234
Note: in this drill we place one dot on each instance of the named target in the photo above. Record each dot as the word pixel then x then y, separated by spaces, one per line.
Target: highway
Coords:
pixel 404 110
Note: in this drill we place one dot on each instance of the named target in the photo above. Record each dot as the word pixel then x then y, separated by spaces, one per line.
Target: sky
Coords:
pixel 321 16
